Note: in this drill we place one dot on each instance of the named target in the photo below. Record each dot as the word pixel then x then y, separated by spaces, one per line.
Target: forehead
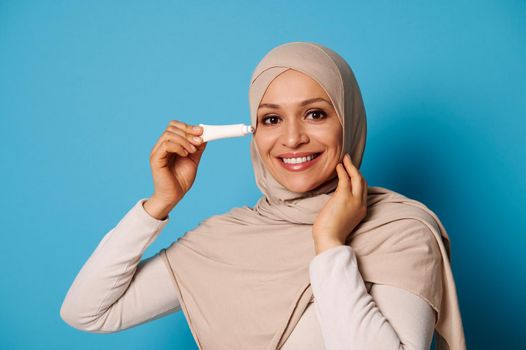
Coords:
pixel 293 85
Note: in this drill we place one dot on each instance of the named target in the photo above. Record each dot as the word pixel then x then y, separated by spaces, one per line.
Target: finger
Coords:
pixel 172 136
pixel 166 148
pixel 168 135
pixel 175 147
pixel 194 130
pixel 196 140
pixel 191 129
pixel 159 142
pixel 196 156
pixel 177 139
pixel 343 179
pixel 356 177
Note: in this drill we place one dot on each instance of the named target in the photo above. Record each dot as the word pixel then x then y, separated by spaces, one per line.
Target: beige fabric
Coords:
pixel 116 290
pixel 255 260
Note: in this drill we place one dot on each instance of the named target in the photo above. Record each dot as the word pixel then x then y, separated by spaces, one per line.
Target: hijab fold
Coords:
pixel 242 278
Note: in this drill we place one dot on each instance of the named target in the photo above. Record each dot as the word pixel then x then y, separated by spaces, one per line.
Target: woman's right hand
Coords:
pixel 174 160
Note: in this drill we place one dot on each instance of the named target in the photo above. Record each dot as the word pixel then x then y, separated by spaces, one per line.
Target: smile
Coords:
pixel 299 163
pixel 299 160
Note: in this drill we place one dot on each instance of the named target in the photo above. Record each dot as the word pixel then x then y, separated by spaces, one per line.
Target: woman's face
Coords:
pixel 298 133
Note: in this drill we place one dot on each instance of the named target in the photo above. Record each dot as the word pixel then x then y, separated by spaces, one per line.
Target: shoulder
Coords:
pixel 401 235
pixel 419 237
pixel 409 221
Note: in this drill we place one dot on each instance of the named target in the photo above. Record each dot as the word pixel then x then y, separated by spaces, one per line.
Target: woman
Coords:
pixel 374 264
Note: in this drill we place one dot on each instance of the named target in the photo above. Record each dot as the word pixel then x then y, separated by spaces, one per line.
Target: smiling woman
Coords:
pixel 321 261
pixel 298 131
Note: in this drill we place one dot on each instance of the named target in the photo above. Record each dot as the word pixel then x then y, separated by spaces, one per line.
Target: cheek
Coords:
pixel 336 142
pixel 330 138
pixel 264 141
pixel 335 137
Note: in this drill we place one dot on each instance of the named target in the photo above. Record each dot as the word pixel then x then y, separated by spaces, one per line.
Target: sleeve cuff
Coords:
pixel 335 257
pixel 146 218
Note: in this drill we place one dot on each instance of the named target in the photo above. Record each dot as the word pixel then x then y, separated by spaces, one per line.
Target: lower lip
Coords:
pixel 300 166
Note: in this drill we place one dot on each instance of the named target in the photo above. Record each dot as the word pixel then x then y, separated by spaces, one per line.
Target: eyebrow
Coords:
pixel 304 103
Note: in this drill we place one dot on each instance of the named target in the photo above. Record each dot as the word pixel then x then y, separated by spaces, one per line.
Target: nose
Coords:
pixel 294 135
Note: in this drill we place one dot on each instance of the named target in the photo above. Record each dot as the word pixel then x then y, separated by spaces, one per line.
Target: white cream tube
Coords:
pixel 215 132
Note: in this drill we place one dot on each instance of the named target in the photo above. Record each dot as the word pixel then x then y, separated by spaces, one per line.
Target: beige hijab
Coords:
pixel 242 278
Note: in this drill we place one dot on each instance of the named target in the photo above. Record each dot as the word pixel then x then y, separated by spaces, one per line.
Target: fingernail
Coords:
pixel 197 139
pixel 196 128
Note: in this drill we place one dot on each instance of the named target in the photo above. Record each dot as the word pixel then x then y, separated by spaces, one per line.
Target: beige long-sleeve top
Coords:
pixel 116 290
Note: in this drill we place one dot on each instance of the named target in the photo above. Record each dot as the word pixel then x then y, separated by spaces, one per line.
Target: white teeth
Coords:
pixel 299 160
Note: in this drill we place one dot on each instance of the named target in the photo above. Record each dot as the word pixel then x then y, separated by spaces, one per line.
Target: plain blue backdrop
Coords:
pixel 86 89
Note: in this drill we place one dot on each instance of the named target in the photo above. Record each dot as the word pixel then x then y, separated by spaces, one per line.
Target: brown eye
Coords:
pixel 317 114
pixel 272 119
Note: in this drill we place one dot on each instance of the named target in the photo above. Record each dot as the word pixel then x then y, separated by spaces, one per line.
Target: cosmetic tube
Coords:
pixel 216 132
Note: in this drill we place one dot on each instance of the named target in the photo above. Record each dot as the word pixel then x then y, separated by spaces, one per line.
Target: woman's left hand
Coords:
pixel 344 211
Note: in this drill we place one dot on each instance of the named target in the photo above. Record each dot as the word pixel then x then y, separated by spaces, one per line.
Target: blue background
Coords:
pixel 86 89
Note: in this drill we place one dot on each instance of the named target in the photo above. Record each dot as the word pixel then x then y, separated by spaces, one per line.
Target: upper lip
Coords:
pixel 296 154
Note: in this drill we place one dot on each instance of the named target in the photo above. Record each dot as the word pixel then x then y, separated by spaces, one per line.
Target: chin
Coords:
pixel 299 187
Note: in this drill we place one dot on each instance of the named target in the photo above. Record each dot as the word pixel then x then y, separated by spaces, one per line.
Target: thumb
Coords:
pixel 196 156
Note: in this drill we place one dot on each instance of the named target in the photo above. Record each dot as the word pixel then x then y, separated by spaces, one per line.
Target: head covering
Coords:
pixel 242 277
